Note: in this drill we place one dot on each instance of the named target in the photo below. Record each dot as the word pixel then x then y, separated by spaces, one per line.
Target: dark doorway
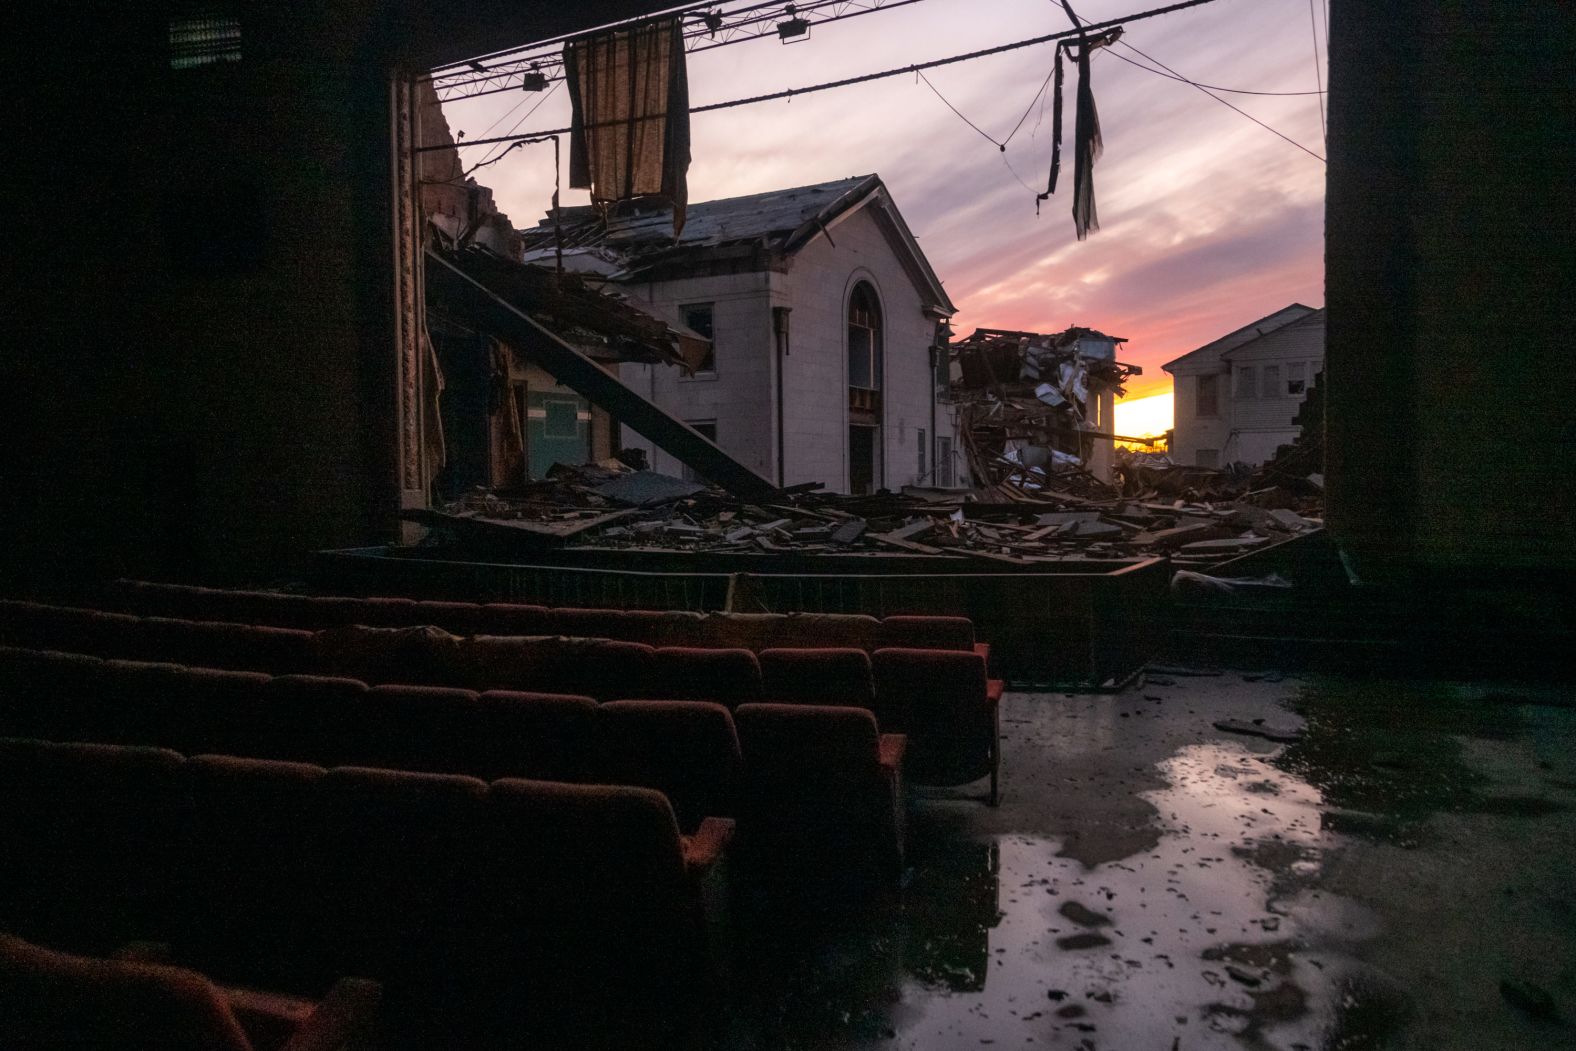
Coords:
pixel 861 459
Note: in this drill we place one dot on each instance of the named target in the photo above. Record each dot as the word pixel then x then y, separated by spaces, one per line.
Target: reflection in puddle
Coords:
pixel 1215 938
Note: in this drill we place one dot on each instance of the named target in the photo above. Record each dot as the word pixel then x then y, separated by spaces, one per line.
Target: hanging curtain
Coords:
pixel 629 123
pixel 1087 144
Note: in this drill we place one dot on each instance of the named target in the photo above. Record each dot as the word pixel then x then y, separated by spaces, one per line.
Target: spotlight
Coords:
pixel 533 79
pixel 794 30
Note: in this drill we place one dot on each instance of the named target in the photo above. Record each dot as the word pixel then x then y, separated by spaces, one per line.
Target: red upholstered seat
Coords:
pixel 729 677
pixel 37 626
pixel 422 655
pixel 687 750
pixel 941 699
pixel 397 877
pixel 259 860
pixel 817 676
pixel 515 618
pixel 927 633
pixel 596 902
pixel 544 736
pixel 591 667
pixel 823 789
pixel 310 718
pixel 57 1000
pixel 41 691
pixel 88 841
pixel 432 728
pixel 170 706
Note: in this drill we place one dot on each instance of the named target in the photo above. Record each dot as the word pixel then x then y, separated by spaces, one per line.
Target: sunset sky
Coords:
pixel 1208 220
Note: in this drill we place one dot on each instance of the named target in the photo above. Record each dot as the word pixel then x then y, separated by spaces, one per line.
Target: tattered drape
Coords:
pixel 629 123
pixel 1087 144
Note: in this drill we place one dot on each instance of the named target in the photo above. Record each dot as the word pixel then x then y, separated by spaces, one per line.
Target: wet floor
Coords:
pixel 1401 876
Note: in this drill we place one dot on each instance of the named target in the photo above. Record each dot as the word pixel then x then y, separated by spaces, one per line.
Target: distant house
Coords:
pixel 825 319
pixel 1235 398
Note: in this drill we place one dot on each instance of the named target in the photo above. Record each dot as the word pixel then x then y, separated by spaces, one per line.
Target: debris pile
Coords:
pixel 1027 402
pixel 608 505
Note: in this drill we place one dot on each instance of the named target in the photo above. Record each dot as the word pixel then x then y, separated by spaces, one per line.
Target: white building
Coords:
pixel 824 316
pixel 1236 397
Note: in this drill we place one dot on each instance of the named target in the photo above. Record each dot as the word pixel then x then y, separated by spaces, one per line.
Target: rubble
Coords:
pixel 608 505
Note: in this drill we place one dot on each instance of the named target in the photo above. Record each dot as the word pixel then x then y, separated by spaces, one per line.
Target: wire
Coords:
pixel 1212 87
pixel 986 135
pixel 1223 102
pixel 1313 24
pixel 489 158
pixel 865 78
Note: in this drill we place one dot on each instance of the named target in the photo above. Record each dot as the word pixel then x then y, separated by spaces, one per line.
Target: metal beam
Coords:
pixel 586 378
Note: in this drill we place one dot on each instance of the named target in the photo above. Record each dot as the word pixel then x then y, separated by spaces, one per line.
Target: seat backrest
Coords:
pixel 541 736
pixel 938 698
pixel 812 745
pixel 514 618
pixel 397 881
pixel 52 999
pixel 42 692
pixel 687 750
pixel 597 668
pixel 89 838
pixel 927 633
pixel 421 655
pixel 728 677
pixel 37 626
pixel 261 865
pixel 311 719
pixel 434 728
pixel 839 676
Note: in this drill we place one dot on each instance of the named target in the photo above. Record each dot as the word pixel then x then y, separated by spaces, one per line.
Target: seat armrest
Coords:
pixel 892 749
pixel 983 649
pixel 705 848
pixel 341 1017
pixel 994 688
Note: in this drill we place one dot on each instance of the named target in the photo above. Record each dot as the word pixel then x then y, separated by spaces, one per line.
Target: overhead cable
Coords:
pixel 791 93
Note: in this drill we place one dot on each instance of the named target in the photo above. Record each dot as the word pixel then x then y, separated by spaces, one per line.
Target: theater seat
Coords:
pixel 839 676
pixel 945 704
pixel 823 789
pixel 89 838
pixel 687 750
pixel 50 1001
pixel 598 668
pixel 421 656
pixel 542 736
pixel 729 677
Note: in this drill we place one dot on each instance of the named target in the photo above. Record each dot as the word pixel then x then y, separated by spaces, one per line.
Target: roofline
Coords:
pixel 1218 339
pixel 872 191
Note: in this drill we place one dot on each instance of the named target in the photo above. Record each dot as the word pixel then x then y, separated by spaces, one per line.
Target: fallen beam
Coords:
pixel 586 378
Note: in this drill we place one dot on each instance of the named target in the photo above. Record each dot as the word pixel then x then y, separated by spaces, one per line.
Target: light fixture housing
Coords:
pixel 533 79
pixel 794 29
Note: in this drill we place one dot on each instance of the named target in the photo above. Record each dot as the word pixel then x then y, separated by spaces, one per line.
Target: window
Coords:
pixel 944 462
pixel 204 40
pixel 864 338
pixel 561 418
pixel 708 430
pixel 1207 458
pixel 1272 381
pixel 1297 379
pixel 922 453
pixel 698 319
pixel 1247 380
pixel 1208 396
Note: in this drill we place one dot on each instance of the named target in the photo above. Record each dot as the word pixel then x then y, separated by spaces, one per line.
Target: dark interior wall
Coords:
pixel 199 365
pixel 1449 261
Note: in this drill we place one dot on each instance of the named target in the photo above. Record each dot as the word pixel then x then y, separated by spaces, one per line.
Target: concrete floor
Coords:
pixel 1151 883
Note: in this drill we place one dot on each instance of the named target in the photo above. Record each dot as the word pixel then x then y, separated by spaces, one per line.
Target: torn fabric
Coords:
pixel 1087 147
pixel 629 124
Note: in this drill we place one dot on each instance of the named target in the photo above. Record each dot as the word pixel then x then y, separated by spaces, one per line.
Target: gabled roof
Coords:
pixel 1251 331
pixel 639 234
pixel 1308 320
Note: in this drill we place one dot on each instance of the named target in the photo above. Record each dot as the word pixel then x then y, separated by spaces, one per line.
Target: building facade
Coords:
pixel 825 320
pixel 1236 397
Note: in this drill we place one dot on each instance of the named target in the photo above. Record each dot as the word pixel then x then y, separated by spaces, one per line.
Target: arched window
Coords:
pixel 864 338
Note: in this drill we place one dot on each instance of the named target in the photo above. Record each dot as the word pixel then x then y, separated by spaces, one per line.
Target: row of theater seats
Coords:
pixel 798 777
pixel 941 699
pixel 56 1000
pixel 509 905
pixel 751 631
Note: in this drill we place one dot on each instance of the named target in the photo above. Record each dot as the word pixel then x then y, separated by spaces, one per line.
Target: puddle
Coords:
pixel 1216 937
